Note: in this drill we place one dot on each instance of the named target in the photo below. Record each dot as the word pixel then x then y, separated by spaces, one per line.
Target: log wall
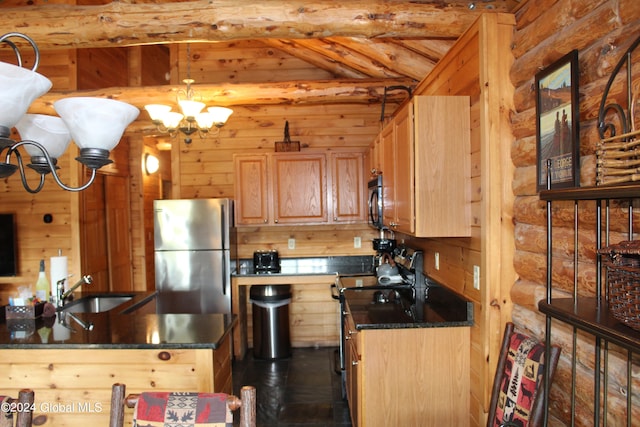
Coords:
pixel 601 30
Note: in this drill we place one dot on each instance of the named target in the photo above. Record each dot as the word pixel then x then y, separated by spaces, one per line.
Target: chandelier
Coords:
pixel 95 124
pixel 192 119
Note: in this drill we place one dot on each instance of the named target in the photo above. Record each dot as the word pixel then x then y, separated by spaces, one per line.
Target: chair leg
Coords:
pixel 25 414
pixel 248 409
pixel 116 417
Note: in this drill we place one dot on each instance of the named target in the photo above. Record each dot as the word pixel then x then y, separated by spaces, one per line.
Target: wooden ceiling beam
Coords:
pixel 354 59
pixel 337 68
pixel 354 91
pixel 389 56
pixel 129 23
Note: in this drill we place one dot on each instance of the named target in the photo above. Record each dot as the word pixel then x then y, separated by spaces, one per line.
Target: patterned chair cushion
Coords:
pixel 6 414
pixel 164 409
pixel 524 369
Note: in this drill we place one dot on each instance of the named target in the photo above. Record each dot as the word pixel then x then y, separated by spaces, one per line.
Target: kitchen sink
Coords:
pixel 96 303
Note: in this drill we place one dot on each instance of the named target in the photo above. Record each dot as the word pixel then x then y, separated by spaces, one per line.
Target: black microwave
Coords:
pixel 375 202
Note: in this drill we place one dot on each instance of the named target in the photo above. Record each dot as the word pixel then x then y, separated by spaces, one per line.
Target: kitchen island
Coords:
pixel 72 368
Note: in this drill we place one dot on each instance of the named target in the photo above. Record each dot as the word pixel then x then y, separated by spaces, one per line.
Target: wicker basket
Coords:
pixel 623 277
pixel 618 159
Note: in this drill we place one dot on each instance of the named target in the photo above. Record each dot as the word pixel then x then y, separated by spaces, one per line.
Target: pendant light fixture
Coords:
pixel 94 124
pixel 192 118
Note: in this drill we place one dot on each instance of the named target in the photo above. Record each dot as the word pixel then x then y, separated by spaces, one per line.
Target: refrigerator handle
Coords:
pixel 224 231
pixel 225 269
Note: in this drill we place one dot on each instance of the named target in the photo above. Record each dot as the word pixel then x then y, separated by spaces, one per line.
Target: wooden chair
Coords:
pixel 521 361
pixel 183 408
pixel 22 407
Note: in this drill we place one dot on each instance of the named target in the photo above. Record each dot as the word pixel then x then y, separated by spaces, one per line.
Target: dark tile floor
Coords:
pixel 300 391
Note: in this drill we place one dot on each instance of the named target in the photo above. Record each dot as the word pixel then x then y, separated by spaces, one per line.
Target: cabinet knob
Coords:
pixel 276 221
pixel 348 337
pixel 335 218
pixel 266 220
pixel 354 362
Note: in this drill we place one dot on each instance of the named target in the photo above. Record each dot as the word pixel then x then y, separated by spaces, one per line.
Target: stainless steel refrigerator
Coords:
pixel 194 251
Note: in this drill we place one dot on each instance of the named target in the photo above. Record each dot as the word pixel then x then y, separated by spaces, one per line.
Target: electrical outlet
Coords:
pixel 357 242
pixel 292 243
pixel 359 283
pixel 437 260
pixel 476 277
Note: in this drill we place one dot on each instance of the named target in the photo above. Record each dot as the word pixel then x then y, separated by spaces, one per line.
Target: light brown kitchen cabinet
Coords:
pixel 375 156
pixel 297 188
pixel 251 191
pixel 404 210
pixel 425 162
pixel 388 166
pixel 407 376
pixel 352 359
pixel 348 187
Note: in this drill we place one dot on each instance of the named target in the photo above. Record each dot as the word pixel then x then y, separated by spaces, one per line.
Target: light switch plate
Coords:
pixel 292 243
pixel 357 242
pixel 437 260
pixel 476 277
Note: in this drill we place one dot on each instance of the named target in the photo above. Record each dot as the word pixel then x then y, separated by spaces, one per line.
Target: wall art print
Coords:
pixel 557 124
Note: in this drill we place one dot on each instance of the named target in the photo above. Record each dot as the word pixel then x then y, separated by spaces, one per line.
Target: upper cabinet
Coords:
pixel 425 162
pixel 251 191
pixel 300 188
pixel 348 187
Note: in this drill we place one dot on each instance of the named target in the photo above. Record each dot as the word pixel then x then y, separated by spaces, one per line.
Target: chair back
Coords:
pixel 183 409
pixel 22 408
pixel 517 397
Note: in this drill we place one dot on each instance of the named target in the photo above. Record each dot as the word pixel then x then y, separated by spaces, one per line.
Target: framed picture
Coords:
pixel 557 124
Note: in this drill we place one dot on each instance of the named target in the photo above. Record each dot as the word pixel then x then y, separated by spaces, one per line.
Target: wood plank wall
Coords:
pixel 601 31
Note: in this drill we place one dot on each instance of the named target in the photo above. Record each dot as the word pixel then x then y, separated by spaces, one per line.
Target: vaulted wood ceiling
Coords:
pixel 362 45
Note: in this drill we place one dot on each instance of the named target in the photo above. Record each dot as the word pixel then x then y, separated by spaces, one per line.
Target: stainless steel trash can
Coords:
pixel 270 306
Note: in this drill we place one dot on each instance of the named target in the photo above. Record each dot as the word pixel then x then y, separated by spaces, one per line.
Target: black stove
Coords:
pixel 410 283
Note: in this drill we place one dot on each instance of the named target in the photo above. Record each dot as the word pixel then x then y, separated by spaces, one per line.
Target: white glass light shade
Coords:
pixel 204 120
pixel 157 111
pixel 49 131
pixel 19 88
pixel 95 122
pixel 191 108
pixel 171 120
pixel 151 164
pixel 220 114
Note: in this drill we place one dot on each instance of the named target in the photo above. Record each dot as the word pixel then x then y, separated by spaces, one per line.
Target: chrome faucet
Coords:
pixel 87 326
pixel 62 295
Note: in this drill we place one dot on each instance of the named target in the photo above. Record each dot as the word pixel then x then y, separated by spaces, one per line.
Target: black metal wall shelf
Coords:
pixel 592 316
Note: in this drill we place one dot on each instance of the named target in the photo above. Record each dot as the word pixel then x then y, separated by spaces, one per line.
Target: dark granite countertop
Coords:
pixel 442 308
pixel 123 327
pixel 313 266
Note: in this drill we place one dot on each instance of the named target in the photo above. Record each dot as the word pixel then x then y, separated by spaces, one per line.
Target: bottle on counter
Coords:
pixel 42 284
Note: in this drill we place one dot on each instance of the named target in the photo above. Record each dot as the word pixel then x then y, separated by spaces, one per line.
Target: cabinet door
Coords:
pixel 300 188
pixel 352 360
pixel 404 170
pixel 251 190
pixel 443 165
pixel 388 174
pixel 374 157
pixel 348 187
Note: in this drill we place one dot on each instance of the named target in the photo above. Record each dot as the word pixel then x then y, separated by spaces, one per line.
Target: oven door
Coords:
pixel 375 202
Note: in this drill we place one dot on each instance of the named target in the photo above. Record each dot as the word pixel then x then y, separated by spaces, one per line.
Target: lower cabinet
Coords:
pixel 408 377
